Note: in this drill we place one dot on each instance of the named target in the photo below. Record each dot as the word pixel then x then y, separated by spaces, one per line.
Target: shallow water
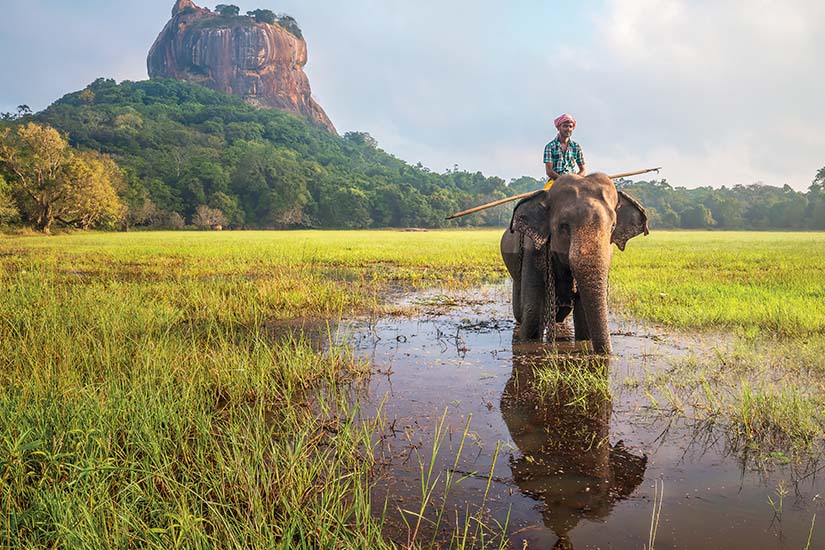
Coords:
pixel 557 475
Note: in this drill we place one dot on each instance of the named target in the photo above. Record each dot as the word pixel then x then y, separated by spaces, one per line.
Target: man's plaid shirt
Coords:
pixel 564 163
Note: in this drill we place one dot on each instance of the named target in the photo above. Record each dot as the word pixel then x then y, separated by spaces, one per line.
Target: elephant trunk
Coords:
pixel 590 263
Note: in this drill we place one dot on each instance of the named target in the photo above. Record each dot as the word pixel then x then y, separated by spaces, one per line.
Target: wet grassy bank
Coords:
pixel 759 297
pixel 157 389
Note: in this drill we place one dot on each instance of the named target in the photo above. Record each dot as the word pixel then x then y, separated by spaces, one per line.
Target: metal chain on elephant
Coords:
pixel 549 310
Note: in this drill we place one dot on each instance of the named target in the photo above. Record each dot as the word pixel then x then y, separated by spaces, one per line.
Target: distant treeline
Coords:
pixel 753 206
pixel 187 155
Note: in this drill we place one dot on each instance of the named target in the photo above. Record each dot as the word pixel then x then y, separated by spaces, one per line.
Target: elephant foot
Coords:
pixel 558 332
pixel 529 331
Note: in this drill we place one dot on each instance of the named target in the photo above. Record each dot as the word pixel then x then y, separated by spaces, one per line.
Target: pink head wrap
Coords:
pixel 564 118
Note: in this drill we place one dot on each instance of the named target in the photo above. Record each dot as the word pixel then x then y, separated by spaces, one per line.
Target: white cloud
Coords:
pixel 734 86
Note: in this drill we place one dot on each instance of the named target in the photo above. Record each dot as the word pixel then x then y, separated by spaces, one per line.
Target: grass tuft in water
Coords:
pixel 580 380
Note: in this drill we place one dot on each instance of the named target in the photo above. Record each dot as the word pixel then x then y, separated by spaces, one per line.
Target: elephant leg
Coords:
pixel 512 255
pixel 582 332
pixel 593 298
pixel 564 286
pixel 532 295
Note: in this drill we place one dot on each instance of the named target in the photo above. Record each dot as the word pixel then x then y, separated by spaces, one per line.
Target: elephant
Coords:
pixel 566 460
pixel 558 252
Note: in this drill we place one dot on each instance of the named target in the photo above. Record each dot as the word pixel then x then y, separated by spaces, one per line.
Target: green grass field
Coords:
pixel 769 284
pixel 154 394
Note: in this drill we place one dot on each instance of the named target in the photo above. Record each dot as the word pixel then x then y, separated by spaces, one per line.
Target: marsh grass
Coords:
pixel 767 400
pixel 658 499
pixel 761 374
pixel 579 381
pixel 810 533
pixel 158 391
pixel 125 423
pixel 754 283
pixel 471 528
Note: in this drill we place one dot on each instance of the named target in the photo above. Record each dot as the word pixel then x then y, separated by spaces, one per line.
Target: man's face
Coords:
pixel 565 129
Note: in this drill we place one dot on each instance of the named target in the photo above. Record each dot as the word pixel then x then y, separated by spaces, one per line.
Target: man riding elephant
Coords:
pixel 563 155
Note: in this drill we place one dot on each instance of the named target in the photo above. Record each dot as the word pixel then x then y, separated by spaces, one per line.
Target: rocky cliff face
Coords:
pixel 260 62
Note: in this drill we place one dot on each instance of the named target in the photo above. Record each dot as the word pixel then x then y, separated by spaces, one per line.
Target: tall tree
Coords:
pixel 90 181
pixel 56 182
pixel 272 186
pixel 8 209
pixel 36 155
pixel 816 201
pixel 697 217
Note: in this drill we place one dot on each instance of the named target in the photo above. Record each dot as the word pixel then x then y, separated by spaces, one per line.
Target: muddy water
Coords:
pixel 556 474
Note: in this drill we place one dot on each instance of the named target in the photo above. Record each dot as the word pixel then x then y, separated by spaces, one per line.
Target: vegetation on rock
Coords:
pixel 262 16
pixel 227 9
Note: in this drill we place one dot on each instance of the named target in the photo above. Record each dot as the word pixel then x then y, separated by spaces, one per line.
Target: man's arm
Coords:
pixel 548 162
pixel 552 174
pixel 580 162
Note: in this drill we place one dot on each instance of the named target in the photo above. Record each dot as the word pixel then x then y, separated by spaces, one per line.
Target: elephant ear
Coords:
pixel 530 217
pixel 631 220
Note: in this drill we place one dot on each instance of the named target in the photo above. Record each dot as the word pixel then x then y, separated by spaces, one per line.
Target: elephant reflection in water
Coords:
pixel 567 461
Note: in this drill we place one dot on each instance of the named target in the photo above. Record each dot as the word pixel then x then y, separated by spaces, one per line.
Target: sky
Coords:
pixel 717 92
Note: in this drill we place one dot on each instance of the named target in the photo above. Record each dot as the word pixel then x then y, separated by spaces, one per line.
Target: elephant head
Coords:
pixel 558 251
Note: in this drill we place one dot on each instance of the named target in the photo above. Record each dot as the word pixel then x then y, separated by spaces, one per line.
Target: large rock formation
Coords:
pixel 260 62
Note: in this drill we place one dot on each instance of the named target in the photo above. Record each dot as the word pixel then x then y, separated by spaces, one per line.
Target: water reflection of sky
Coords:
pixel 569 476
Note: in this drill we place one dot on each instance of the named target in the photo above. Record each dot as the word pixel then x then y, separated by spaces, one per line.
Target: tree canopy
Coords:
pixel 8 209
pixel 228 9
pixel 54 182
pixel 181 146
pixel 262 16
pixel 754 206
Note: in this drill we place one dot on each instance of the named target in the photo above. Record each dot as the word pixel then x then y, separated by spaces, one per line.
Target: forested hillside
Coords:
pixel 183 146
pixel 188 155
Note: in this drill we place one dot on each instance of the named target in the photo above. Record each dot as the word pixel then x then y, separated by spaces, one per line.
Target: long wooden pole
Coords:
pixel 521 196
